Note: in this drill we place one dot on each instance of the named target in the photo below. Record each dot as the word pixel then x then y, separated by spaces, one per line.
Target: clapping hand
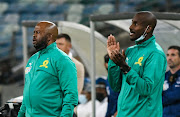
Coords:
pixel 113 49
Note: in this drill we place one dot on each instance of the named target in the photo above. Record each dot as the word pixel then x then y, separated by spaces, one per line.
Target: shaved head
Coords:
pixel 148 18
pixel 45 33
pixel 49 28
pixel 143 23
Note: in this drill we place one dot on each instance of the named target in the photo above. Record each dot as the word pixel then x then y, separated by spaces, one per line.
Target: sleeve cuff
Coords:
pixel 131 77
pixel 111 63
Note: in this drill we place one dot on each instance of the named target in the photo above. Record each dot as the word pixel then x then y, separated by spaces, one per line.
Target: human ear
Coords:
pixel 148 29
pixel 49 36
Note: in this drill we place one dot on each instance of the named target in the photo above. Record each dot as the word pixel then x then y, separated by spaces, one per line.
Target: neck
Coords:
pixel 146 38
pixel 50 42
pixel 174 70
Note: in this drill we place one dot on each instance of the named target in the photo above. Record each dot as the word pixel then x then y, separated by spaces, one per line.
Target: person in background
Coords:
pixel 139 72
pixel 63 42
pixel 85 109
pixel 101 96
pixel 50 88
pixel 171 87
pixel 113 96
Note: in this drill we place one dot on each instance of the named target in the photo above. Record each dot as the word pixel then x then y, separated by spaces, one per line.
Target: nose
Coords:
pixel 168 58
pixel 34 35
pixel 130 27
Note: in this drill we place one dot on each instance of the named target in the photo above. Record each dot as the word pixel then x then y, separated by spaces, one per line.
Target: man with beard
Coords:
pixel 139 72
pixel 50 77
pixel 171 87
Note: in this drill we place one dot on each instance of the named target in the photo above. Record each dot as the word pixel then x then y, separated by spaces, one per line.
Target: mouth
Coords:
pixel 34 41
pixel 169 62
pixel 131 33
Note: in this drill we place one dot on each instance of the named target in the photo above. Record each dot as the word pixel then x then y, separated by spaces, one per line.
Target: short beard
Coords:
pixel 42 44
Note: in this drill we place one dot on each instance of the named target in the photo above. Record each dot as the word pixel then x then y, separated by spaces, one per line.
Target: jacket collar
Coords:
pixel 145 43
pixel 51 46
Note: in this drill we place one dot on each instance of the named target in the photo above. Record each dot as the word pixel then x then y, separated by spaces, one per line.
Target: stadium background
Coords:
pixel 13 12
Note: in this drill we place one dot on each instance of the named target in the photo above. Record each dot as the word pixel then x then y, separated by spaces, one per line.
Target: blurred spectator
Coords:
pixel 113 96
pixel 171 87
pixel 101 96
pixel 64 43
pixel 82 97
pixel 85 109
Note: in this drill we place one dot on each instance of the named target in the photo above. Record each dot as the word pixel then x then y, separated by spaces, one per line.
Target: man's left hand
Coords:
pixel 118 58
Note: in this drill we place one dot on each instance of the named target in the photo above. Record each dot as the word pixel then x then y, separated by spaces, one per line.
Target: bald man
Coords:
pixel 139 72
pixel 50 78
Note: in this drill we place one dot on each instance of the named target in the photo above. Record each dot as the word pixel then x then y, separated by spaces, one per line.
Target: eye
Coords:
pixel 135 24
pixel 38 32
pixel 173 55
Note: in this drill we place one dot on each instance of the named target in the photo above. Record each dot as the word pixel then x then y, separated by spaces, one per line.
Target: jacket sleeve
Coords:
pixel 80 75
pixel 114 76
pixel 171 96
pixel 22 110
pixel 68 84
pixel 153 74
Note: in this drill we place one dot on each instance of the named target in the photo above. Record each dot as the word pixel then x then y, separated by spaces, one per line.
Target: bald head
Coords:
pixel 148 19
pixel 142 27
pixel 49 28
pixel 45 33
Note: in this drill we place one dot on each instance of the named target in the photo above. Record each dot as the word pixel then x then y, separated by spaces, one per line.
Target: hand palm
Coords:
pixel 112 45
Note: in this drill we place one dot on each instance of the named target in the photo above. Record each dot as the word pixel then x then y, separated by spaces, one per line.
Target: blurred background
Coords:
pixel 13 12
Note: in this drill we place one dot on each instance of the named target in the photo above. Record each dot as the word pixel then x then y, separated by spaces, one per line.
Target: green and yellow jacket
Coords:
pixel 141 88
pixel 50 85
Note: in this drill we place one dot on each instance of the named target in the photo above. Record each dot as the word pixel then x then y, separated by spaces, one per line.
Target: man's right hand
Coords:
pixel 112 45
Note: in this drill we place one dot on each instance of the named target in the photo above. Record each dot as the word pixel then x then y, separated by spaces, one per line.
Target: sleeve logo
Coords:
pixel 44 64
pixel 28 69
pixel 139 61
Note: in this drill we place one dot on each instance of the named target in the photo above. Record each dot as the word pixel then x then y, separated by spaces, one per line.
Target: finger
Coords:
pixel 114 57
pixel 108 41
pixel 119 56
pixel 114 40
pixel 123 53
pixel 116 53
pixel 113 53
pixel 111 39
pixel 118 46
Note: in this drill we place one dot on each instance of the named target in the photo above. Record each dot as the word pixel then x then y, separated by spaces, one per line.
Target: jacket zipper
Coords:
pixel 31 81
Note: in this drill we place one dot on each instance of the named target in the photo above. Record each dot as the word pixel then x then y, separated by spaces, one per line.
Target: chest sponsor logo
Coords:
pixel 139 61
pixel 45 63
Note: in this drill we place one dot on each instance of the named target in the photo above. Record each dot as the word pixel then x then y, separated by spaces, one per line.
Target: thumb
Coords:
pixel 123 53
